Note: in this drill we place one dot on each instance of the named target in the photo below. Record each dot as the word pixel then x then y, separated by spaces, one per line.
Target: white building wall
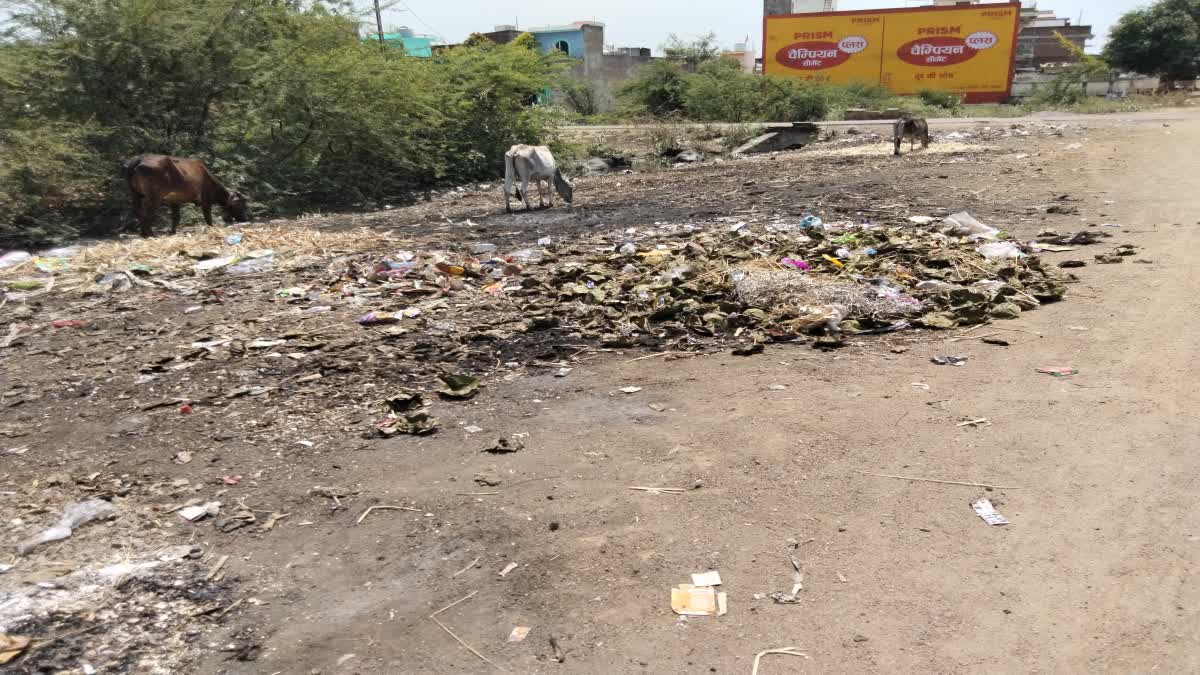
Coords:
pixel 807 6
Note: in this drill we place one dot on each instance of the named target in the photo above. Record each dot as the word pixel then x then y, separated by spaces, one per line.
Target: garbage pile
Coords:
pixel 302 332
pixel 686 288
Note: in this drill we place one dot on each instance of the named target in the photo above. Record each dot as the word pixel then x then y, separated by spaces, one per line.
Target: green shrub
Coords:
pixel 940 99
pixel 657 90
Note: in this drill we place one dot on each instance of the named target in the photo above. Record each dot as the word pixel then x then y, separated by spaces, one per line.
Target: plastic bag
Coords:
pixel 1000 250
pixel 14 258
pixel 73 516
pixel 256 261
pixel 963 225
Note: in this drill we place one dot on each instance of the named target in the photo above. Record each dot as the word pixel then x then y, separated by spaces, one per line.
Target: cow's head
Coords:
pixel 565 188
pixel 236 208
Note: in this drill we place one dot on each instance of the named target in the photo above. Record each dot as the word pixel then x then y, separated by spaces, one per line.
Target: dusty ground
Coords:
pixel 1095 573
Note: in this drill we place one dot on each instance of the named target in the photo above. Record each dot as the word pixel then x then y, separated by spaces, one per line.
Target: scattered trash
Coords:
pixel 416 424
pixel 519 633
pixel 989 513
pixel 12 646
pixel 690 600
pixel 563 372
pixel 1000 250
pixel 813 223
pixel 200 511
pixel 384 507
pixel 660 490
pixel 783 651
pixel 963 225
pixel 458 386
pixel 921 220
pixel 1059 371
pixel 995 341
pixel 49 265
pixel 378 319
pixel 25 285
pixel 206 266
pixel 1069 264
pixel 508 568
pixel 472 429
pixel 981 422
pixel 234 239
pixel 74 515
pixel 797 263
pixel 707 579
pixel 488 479
pixel 950 360
pixel 14 258
pixel 505 446
pixel 253 262
pixel 405 401
pixel 68 323
pixel 182 457
pixel 749 350
pixel 630 390
pixel 797 585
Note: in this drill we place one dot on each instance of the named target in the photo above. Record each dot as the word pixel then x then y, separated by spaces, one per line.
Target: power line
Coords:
pixel 431 29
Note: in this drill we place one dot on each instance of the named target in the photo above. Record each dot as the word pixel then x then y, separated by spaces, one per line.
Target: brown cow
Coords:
pixel 158 179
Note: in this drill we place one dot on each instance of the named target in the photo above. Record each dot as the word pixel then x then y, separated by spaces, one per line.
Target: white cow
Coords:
pixel 536 163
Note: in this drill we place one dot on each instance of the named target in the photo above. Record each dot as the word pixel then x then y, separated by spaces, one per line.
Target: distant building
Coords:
pixel 413 43
pixel 746 55
pixel 604 66
pixel 776 7
pixel 1037 43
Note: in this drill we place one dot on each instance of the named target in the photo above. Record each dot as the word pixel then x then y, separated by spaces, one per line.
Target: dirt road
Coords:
pixel 1095 573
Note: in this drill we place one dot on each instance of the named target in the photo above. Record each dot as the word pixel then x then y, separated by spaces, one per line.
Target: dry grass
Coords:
pixel 176 254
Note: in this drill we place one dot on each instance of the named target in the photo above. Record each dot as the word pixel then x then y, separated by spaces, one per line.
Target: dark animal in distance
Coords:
pixel 912 128
pixel 155 180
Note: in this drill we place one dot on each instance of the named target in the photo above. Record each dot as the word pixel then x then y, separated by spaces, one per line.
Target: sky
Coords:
pixel 646 23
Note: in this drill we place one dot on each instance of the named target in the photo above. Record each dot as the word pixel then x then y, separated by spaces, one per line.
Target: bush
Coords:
pixel 1065 89
pixel 720 92
pixel 657 90
pixel 940 99
pixel 790 100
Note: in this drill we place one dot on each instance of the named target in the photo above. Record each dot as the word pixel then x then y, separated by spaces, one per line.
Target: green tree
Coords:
pixel 721 92
pixel 1163 40
pixel 527 41
pixel 692 53
pixel 581 95
pixel 786 99
pixel 658 89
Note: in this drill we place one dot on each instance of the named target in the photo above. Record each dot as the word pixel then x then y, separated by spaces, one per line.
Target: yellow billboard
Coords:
pixel 962 49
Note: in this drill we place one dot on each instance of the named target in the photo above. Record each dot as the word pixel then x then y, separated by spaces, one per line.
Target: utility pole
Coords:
pixel 379 22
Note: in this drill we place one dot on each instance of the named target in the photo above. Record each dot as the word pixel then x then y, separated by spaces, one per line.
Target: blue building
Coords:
pixel 605 68
pixel 414 44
